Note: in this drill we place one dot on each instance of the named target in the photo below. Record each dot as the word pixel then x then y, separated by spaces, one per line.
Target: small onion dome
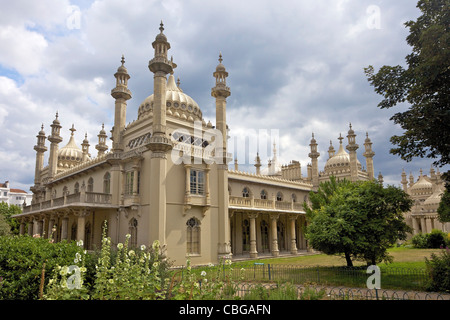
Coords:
pixel 71 154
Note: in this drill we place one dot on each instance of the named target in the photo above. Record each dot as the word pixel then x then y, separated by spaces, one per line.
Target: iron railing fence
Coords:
pixel 270 291
pixel 391 278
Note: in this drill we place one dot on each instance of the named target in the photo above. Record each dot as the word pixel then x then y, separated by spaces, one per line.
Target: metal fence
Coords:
pixel 250 291
pixel 391 278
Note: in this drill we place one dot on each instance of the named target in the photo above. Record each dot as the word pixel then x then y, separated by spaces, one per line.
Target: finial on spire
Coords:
pixel 72 129
pixel 350 124
pixel 56 114
pixel 178 82
pixel 340 138
pixel 161 28
pixel 122 60
pixel 220 57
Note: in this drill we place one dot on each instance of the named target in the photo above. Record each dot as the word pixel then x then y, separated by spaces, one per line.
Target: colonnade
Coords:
pixel 259 238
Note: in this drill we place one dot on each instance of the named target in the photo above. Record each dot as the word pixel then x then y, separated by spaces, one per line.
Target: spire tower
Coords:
pixel 121 94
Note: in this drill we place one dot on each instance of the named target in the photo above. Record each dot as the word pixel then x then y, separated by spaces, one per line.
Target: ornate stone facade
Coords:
pixel 166 178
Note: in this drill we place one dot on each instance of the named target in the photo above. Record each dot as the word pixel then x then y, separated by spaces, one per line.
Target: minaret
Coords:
pixel 258 163
pixel 404 181
pixel 54 139
pixel 159 143
pixel 314 155
pixel 331 150
pixel 121 93
pixel 352 147
pixel 101 146
pixel 221 92
pixel 369 153
pixel 40 149
pixel 85 148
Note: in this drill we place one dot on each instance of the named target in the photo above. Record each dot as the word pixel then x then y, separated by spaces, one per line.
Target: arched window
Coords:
pixel 73 231
pixel 90 187
pixel 76 188
pixel 264 236
pixel 87 235
pixel 193 236
pixel 263 194
pixel 65 191
pixel 245 192
pixel 107 183
pixel 132 226
pixel 294 197
pixel 279 196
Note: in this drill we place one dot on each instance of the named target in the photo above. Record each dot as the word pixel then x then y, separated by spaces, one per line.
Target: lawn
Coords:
pixel 404 257
pixel 407 271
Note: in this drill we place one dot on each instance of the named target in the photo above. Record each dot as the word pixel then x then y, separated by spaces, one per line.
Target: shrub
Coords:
pixel 436 239
pixel 438 268
pixel 433 240
pixel 419 241
pixel 22 259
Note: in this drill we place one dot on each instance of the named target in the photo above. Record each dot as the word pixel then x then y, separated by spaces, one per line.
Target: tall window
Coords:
pixel 90 187
pixel 197 182
pixel 245 192
pixel 76 188
pixel 107 183
pixel 264 236
pixel 193 236
pixel 129 182
pixel 133 232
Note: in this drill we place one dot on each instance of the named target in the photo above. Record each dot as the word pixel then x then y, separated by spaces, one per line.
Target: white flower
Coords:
pixel 111 281
pixel 143 247
pixel 128 236
pixel 228 262
pixel 155 245
pixel 80 243
pixel 210 265
pixel 203 273
pixel 120 246
pixel 131 253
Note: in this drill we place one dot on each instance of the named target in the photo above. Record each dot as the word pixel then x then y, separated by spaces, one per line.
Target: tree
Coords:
pixel 444 207
pixel 7 211
pixel 424 84
pixel 360 220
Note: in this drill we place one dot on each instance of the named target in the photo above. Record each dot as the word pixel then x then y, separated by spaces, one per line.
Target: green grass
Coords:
pixel 407 272
pixel 404 257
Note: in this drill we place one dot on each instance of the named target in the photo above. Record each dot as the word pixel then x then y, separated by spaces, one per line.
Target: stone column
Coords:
pixel 293 218
pixel 51 223
pixel 422 224
pixel 429 225
pixel 64 228
pixel 35 226
pixel 81 224
pixel 415 225
pixel 22 228
pixel 253 251
pixel 274 249
pixel 30 227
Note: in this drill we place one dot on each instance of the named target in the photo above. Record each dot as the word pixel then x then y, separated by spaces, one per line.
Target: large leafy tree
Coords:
pixel 7 211
pixel 360 220
pixel 424 84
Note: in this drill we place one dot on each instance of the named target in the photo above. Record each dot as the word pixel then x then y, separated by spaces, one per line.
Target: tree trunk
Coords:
pixel 348 259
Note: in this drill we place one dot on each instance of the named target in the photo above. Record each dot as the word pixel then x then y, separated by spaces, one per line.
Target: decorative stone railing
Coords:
pixel 252 203
pixel 87 198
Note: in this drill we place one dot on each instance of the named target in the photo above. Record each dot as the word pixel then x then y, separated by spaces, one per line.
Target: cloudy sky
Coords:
pixel 295 67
